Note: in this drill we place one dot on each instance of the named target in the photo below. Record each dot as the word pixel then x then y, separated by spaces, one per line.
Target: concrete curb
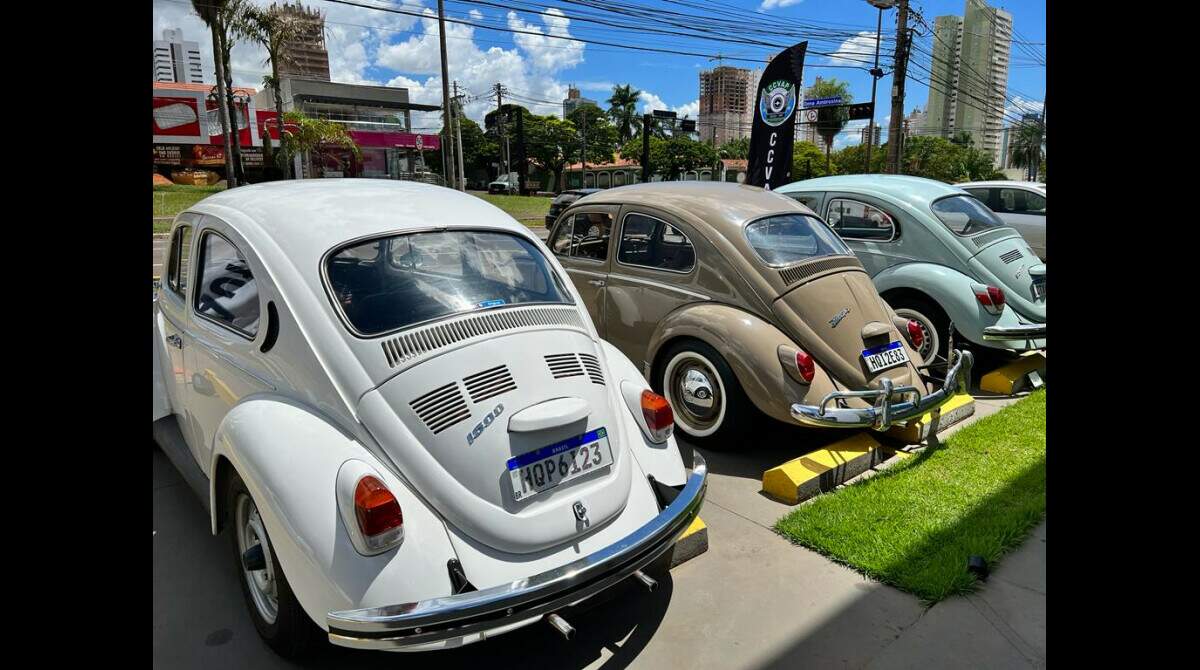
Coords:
pixel 957 410
pixel 822 470
pixel 1011 378
pixel 692 543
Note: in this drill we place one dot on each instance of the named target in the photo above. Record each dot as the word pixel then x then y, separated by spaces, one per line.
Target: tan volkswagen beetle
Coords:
pixel 734 298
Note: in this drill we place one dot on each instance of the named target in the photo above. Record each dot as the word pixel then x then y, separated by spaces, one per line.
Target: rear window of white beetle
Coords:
pixel 390 283
pixel 790 238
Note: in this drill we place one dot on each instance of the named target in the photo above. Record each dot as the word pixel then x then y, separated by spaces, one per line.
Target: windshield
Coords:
pixel 389 283
pixel 788 238
pixel 965 215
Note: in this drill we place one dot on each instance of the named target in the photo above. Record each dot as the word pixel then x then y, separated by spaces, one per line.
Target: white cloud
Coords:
pixel 1019 106
pixel 858 50
pixel 691 110
pixel 547 53
pixel 650 102
pixel 772 4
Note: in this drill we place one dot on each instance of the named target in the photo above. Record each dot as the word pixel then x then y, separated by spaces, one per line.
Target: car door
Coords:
pixel 867 228
pixel 653 263
pixel 172 317
pixel 227 321
pixel 581 241
pixel 1025 210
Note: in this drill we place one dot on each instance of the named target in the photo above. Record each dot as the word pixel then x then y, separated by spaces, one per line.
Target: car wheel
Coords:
pixel 935 326
pixel 277 614
pixel 709 404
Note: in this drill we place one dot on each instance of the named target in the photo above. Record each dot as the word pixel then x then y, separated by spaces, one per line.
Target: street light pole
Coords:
pixel 876 73
pixel 447 113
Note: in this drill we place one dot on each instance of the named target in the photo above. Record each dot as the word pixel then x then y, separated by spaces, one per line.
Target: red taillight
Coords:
pixel 804 361
pixel 991 297
pixel 659 417
pixel 378 512
pixel 915 334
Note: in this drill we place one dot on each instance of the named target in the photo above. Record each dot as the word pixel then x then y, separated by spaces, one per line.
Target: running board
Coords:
pixel 170 439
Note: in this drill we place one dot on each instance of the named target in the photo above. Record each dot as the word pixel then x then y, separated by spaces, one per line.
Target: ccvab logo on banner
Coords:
pixel 776 102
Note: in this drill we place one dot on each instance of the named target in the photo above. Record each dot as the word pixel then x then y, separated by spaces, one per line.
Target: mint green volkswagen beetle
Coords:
pixel 938 256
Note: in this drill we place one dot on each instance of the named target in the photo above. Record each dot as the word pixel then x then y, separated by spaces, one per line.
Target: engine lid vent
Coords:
pixel 489 383
pixel 983 239
pixel 419 342
pixel 441 408
pixel 593 368
pixel 792 275
pixel 1010 256
pixel 563 365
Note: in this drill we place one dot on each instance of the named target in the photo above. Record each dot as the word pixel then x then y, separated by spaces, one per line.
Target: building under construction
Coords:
pixel 726 103
pixel 305 56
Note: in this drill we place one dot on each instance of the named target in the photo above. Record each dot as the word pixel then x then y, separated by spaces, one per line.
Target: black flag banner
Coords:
pixel 771 137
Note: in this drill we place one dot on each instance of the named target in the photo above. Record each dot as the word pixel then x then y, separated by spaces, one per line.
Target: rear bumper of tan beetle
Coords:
pixel 891 404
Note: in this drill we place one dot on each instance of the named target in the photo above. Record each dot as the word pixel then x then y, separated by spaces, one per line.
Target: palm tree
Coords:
pixel 1028 147
pixel 230 16
pixel 830 120
pixel 272 29
pixel 623 110
pixel 210 12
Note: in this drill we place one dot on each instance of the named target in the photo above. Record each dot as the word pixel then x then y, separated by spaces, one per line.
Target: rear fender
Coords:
pixel 950 290
pixel 750 345
pixel 289 458
pixel 662 461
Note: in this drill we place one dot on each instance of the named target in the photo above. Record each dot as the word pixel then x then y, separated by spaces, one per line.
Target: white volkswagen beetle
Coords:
pixel 391 394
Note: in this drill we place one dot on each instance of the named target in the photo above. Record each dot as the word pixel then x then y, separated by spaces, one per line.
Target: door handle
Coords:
pixel 175 341
pixel 202 385
pixel 596 282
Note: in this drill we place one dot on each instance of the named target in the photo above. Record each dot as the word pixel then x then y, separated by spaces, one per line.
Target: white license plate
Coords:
pixel 1039 288
pixel 885 356
pixel 542 469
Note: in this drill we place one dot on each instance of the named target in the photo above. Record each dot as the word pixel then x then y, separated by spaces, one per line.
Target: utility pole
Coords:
pixel 583 150
pixel 447 166
pixel 503 143
pixel 898 76
pixel 462 173
pixel 646 147
pixel 876 73
pixel 522 164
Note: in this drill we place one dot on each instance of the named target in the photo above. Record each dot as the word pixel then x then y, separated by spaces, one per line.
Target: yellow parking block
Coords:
pixel 1009 378
pixel 802 478
pixel 692 543
pixel 956 410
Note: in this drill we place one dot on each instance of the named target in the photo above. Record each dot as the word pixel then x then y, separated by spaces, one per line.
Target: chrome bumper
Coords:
pixel 1025 331
pixel 409 624
pixel 886 413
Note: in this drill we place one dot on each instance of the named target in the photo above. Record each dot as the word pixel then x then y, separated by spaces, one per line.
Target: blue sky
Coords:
pixel 370 46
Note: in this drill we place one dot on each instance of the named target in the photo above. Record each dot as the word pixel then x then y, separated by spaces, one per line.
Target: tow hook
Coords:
pixel 560 624
pixel 646 579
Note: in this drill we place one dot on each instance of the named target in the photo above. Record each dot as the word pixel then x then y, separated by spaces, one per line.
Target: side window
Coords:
pixel 649 242
pixel 589 237
pixel 227 291
pixel 1020 201
pixel 983 194
pixel 177 264
pixel 855 220
pixel 560 244
pixel 809 200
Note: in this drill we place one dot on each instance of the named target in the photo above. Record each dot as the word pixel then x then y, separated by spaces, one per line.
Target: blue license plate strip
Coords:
pixel 555 449
pixel 880 349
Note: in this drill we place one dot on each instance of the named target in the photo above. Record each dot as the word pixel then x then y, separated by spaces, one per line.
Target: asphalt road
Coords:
pixel 752 601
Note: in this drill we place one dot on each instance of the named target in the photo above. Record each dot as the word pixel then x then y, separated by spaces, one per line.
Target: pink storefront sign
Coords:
pixel 376 138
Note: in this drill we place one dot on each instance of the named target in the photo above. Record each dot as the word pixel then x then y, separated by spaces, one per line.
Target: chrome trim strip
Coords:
pixel 409 624
pixel 1025 331
pixel 885 413
pixel 658 284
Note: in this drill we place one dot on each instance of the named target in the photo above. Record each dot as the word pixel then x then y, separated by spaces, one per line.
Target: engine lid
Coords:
pixel 455 422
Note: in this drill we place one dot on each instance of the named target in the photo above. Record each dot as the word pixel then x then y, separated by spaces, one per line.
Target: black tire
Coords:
pixel 931 316
pixel 723 431
pixel 292 634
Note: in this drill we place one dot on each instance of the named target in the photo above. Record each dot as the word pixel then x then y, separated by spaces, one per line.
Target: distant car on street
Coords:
pixel 507 184
pixel 564 200
pixel 1020 204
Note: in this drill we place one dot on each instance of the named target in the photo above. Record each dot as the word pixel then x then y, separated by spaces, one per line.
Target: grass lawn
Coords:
pixel 528 209
pixel 171 200
pixel 914 525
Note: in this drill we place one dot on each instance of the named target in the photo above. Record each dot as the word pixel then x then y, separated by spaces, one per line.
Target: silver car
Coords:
pixel 1020 204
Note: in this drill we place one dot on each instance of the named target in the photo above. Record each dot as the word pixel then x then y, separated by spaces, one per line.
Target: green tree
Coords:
pixel 622 109
pixel 602 137
pixel 739 148
pixel 807 161
pixel 550 142
pixel 1029 147
pixel 213 14
pixel 495 142
pixel 674 156
pixel 830 119
pixel 963 139
pixel 851 159
pixel 304 135
pixel 272 29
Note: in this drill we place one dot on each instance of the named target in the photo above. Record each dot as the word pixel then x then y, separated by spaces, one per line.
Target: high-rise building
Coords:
pixel 176 60
pixel 574 100
pixel 969 79
pixel 305 56
pixel 726 103
pixel 862 134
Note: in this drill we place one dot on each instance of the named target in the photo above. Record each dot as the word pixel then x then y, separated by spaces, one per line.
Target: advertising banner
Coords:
pixel 774 130
pixel 176 117
pixel 168 154
pixel 214 123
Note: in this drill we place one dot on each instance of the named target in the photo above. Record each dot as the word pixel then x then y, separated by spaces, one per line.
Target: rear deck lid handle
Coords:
pixel 548 414
pixel 875 329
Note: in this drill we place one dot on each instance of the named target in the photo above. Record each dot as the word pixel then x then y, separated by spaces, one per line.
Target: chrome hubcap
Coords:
pixel 693 384
pixel 250 533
